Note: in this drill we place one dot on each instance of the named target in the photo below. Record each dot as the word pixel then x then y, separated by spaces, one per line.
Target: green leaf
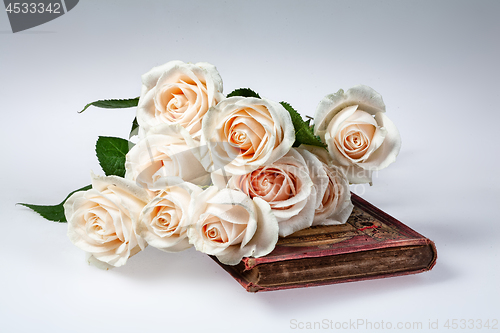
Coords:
pixel 303 131
pixel 113 103
pixel 56 212
pixel 135 125
pixel 243 92
pixel 111 153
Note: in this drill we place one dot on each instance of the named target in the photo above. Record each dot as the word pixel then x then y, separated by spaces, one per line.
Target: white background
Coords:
pixel 436 63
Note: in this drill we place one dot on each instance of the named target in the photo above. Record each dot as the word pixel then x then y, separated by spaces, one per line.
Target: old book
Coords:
pixel 370 245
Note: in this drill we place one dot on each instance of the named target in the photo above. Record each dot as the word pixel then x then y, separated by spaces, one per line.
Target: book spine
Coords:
pixel 358 266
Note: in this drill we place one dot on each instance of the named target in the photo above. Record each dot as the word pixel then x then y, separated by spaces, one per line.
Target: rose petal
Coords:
pixel 150 79
pixel 271 123
pixel 231 212
pixel 300 221
pixel 146 112
pixel 316 172
pixel 390 147
pixel 175 199
pixel 168 150
pixel 334 127
pixel 263 241
pixel 340 209
pixel 287 186
pixel 365 97
pixel 357 175
pixel 101 183
pixel 178 93
pixel 214 80
pixel 97 263
pixel 101 221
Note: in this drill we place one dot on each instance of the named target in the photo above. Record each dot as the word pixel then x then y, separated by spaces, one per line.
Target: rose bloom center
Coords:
pixel 269 183
pixel 98 229
pixel 355 139
pixel 244 132
pixel 165 219
pixel 214 231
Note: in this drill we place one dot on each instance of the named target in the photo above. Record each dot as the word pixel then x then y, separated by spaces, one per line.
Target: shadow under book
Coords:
pixel 370 245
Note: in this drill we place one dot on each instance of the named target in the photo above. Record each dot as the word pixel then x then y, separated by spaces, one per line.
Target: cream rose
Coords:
pixel 334 204
pixel 164 221
pixel 165 152
pixel 244 133
pixel 360 137
pixel 230 225
pixel 286 185
pixel 101 221
pixel 178 93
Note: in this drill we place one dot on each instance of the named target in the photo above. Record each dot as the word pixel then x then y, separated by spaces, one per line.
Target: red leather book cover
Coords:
pixel 370 245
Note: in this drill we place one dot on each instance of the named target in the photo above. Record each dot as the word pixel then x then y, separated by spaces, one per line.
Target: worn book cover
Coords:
pixel 370 245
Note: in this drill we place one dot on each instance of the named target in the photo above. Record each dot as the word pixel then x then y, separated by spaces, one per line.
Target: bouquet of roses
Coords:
pixel 225 174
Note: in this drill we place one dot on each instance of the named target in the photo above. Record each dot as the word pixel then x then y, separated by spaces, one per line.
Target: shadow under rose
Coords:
pixel 153 265
pixel 197 269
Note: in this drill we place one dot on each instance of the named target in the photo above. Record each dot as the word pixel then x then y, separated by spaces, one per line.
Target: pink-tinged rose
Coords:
pixel 165 152
pixel 230 225
pixel 286 186
pixel 334 204
pixel 101 221
pixel 164 221
pixel 178 93
pixel 245 133
pixel 360 137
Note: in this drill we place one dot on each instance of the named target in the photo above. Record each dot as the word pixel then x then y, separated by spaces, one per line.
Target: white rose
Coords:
pixel 163 222
pixel 334 204
pixel 359 135
pixel 244 133
pixel 286 185
pixel 165 152
pixel 230 225
pixel 178 93
pixel 101 221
